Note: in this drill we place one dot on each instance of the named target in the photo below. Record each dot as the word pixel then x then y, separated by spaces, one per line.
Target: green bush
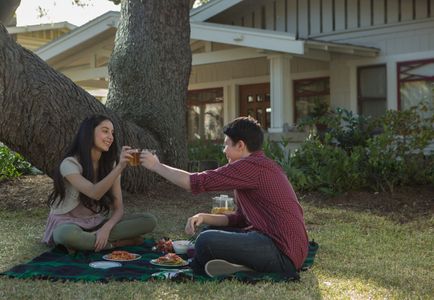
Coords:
pixel 12 164
pixel 279 152
pixel 206 150
pixel 327 168
pixel 396 156
pixel 350 157
pixel 318 167
pixel 348 130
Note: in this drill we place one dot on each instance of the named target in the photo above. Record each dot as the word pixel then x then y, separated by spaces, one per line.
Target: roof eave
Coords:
pixel 39 27
pixel 246 37
pixel 211 9
pixel 342 48
pixel 79 35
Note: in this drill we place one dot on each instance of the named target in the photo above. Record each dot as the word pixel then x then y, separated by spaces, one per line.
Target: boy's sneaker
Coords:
pixel 218 267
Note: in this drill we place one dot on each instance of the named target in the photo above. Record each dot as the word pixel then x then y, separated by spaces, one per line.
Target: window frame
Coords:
pixel 400 65
pixel 296 94
pixel 190 103
pixel 359 88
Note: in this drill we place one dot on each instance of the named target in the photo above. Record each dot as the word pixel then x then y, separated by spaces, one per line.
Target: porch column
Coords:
pixel 392 85
pixel 229 103
pixel 282 102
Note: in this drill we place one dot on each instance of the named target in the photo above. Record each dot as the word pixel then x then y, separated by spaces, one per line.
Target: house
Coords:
pixel 33 37
pixel 273 59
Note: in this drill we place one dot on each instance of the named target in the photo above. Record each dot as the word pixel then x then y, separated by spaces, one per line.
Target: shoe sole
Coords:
pixel 218 267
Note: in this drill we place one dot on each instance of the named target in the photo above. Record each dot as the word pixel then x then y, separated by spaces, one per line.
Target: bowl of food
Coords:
pixel 181 246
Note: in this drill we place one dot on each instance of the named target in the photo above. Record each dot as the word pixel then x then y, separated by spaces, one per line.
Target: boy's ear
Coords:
pixel 241 145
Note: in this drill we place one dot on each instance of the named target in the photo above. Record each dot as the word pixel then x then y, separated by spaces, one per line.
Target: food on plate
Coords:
pixel 164 245
pixel 121 255
pixel 170 259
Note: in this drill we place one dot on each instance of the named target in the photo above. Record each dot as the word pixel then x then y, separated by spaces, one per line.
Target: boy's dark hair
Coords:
pixel 245 129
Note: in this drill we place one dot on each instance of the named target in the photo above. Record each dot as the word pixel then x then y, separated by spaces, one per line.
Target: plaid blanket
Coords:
pixel 56 264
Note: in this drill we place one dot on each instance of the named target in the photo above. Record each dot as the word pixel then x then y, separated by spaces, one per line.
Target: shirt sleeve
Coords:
pixel 241 174
pixel 70 166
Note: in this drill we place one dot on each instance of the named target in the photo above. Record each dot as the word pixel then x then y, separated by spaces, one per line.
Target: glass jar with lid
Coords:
pixel 222 204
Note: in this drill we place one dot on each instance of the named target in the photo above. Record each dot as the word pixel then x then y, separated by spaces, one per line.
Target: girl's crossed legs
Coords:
pixel 129 227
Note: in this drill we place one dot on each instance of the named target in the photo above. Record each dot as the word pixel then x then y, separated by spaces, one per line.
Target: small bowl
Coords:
pixel 181 246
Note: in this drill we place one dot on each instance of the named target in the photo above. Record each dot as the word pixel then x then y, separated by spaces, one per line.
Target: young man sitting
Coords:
pixel 267 232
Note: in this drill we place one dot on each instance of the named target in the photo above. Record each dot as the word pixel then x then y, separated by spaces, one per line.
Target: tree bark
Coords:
pixel 41 110
pixel 149 71
pixel 7 10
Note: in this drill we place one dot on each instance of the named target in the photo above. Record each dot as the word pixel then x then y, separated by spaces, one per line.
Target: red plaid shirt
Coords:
pixel 265 199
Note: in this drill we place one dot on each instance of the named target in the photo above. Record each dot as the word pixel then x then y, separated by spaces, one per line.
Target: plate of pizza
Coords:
pixel 169 260
pixel 120 255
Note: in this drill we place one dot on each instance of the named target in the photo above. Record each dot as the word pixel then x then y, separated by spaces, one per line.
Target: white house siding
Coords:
pixel 414 36
pixel 312 18
pixel 229 70
pixel 340 84
pixel 398 43
pixel 302 65
pixel 249 68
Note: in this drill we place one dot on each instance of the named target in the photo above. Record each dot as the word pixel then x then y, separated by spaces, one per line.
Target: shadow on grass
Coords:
pixel 371 251
pixel 406 204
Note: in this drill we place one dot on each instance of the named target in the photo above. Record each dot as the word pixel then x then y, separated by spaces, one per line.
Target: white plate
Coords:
pixel 155 263
pixel 136 257
pixel 105 264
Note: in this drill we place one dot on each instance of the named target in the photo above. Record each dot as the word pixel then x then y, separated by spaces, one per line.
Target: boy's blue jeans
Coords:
pixel 251 249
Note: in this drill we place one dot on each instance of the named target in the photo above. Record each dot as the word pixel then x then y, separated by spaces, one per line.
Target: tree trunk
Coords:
pixel 150 66
pixel 7 10
pixel 42 109
pixel 149 71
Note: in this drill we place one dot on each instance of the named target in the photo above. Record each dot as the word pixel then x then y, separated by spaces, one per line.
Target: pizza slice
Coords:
pixel 170 259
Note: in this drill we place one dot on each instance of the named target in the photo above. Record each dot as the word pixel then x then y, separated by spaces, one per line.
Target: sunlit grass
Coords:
pixel 361 256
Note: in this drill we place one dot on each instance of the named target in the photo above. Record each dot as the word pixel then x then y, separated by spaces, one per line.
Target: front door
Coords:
pixel 255 102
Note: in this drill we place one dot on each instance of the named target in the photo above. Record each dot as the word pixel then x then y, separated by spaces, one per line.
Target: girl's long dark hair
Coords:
pixel 81 149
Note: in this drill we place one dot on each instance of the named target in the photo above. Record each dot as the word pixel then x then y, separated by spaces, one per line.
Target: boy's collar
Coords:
pixel 257 153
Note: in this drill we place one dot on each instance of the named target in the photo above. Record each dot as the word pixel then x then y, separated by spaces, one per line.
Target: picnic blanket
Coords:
pixel 56 265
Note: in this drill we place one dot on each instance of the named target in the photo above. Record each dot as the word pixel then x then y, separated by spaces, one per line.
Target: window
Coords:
pixel 307 92
pixel 372 90
pixel 416 83
pixel 255 102
pixel 205 114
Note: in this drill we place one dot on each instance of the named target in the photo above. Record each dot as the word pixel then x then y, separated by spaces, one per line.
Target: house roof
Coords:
pixel 344 48
pixel 246 37
pixel 226 34
pixel 210 9
pixel 79 35
pixel 40 27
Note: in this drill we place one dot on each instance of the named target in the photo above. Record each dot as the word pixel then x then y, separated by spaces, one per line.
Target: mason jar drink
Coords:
pixel 135 159
pixel 222 204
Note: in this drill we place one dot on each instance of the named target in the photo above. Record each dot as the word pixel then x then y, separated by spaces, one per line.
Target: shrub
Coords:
pixel 327 168
pixel 12 164
pixel 349 156
pixel 396 156
pixel 206 150
pixel 280 153
pixel 349 130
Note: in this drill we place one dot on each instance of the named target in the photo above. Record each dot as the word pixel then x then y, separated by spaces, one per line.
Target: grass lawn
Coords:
pixel 362 255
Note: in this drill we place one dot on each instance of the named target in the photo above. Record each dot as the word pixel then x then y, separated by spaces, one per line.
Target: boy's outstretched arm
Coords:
pixel 177 176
